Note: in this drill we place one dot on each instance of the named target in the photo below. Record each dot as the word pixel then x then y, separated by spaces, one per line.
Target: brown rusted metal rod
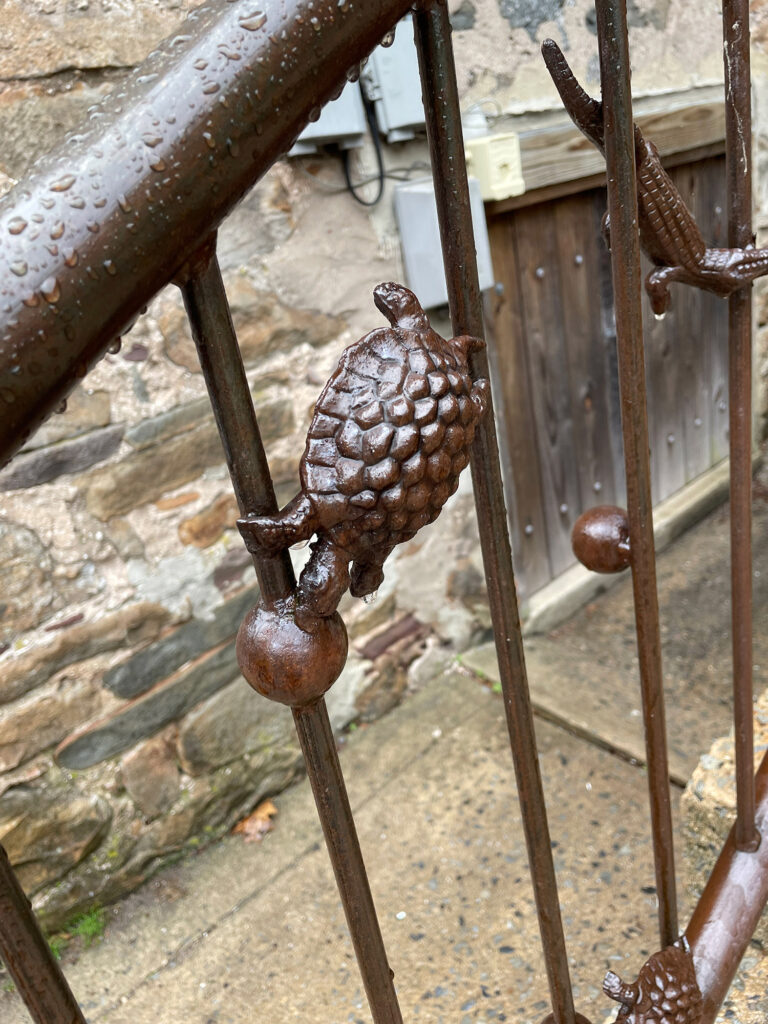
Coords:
pixel 208 310
pixel 104 221
pixel 625 262
pixel 441 105
pixel 28 956
pixel 222 367
pixel 727 913
pixel 738 151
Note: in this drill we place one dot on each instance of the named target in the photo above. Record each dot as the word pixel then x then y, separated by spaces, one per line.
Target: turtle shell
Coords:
pixel 390 435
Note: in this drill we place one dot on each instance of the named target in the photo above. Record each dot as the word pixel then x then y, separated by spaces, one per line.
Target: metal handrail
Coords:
pixel 119 211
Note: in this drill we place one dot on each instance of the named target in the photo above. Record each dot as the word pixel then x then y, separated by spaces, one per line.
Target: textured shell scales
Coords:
pixel 389 437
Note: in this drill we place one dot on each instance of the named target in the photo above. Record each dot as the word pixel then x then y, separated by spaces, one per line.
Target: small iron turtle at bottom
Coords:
pixel 390 435
pixel 666 990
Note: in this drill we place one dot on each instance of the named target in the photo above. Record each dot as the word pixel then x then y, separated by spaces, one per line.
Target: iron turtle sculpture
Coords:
pixel 666 990
pixel 390 434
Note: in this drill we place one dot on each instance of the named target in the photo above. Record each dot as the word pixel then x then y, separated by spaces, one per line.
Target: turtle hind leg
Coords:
pixel 294 523
pixel 367 577
pixel 323 580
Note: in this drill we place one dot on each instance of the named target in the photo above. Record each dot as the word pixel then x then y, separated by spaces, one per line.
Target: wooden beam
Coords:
pixel 558 158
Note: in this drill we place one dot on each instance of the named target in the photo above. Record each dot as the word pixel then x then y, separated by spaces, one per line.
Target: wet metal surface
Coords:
pixel 443 120
pixel 389 438
pixel 103 222
pixel 307 653
pixel 730 907
pixel 669 234
pixel 738 132
pixel 28 957
pixel 625 264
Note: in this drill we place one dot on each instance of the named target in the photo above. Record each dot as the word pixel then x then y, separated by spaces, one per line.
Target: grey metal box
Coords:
pixel 416 213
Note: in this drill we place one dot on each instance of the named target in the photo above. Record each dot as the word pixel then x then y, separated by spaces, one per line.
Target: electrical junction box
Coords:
pixel 341 121
pixel 495 161
pixel 416 213
pixel 391 81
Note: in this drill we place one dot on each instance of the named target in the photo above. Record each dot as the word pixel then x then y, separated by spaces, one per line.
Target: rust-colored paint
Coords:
pixel 28 956
pixel 600 539
pixel 738 132
pixel 669 234
pixel 618 125
pixel 390 435
pixel 665 990
pixel 443 120
pixel 105 221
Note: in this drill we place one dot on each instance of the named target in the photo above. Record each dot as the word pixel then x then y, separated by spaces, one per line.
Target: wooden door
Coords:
pixel 553 342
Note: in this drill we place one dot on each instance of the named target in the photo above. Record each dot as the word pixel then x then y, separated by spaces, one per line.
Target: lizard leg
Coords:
pixel 657 285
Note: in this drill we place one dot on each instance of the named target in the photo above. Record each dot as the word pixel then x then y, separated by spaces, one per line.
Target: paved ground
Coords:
pixel 254 932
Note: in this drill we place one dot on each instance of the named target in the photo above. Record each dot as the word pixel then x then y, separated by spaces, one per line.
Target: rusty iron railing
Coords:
pixel 133 203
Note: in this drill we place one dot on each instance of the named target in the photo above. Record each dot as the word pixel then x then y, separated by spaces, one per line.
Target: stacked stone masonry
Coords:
pixel 126 734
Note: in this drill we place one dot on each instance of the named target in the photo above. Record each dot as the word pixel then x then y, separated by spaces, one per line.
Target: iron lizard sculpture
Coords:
pixel 669 235
pixel 390 435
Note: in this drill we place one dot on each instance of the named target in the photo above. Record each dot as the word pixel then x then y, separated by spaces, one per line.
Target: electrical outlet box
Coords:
pixel 495 161
pixel 341 121
pixel 416 213
pixel 391 80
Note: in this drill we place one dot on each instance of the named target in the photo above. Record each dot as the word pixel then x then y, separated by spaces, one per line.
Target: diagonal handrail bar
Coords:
pixel 105 220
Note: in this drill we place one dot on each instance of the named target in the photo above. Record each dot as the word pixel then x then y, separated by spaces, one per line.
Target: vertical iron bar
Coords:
pixel 222 366
pixel 625 262
pixel 738 136
pixel 441 105
pixel 28 956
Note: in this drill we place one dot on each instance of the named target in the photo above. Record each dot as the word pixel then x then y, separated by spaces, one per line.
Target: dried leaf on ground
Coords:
pixel 258 823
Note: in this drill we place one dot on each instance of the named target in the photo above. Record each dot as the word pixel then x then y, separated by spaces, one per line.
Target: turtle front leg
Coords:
pixel 323 580
pixel 270 534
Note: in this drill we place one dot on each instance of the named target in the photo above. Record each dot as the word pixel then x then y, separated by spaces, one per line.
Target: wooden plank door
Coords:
pixel 552 339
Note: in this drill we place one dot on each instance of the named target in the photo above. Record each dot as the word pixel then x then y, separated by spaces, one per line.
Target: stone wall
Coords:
pixel 125 734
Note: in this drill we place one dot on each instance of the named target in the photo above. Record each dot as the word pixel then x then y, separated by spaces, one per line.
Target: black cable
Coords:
pixel 370 116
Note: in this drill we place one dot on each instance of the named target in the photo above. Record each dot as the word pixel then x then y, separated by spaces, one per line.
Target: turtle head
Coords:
pixel 400 306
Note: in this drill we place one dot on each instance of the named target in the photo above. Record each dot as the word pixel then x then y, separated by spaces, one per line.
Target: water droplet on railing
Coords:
pixel 115 347
pixel 200 64
pixel 57 230
pixel 62 184
pixel 123 203
pixel 210 88
pixel 253 21
pixel 19 268
pixel 209 140
pixel 110 267
pixel 70 257
pixel 16 225
pixel 389 38
pixel 151 140
pixel 659 316
pixel 77 203
pixel 157 164
pixel 540 272
pixel 528 531
pixel 50 289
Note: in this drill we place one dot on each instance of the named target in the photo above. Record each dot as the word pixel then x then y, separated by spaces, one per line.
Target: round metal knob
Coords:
pixel 600 539
pixel 286 662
